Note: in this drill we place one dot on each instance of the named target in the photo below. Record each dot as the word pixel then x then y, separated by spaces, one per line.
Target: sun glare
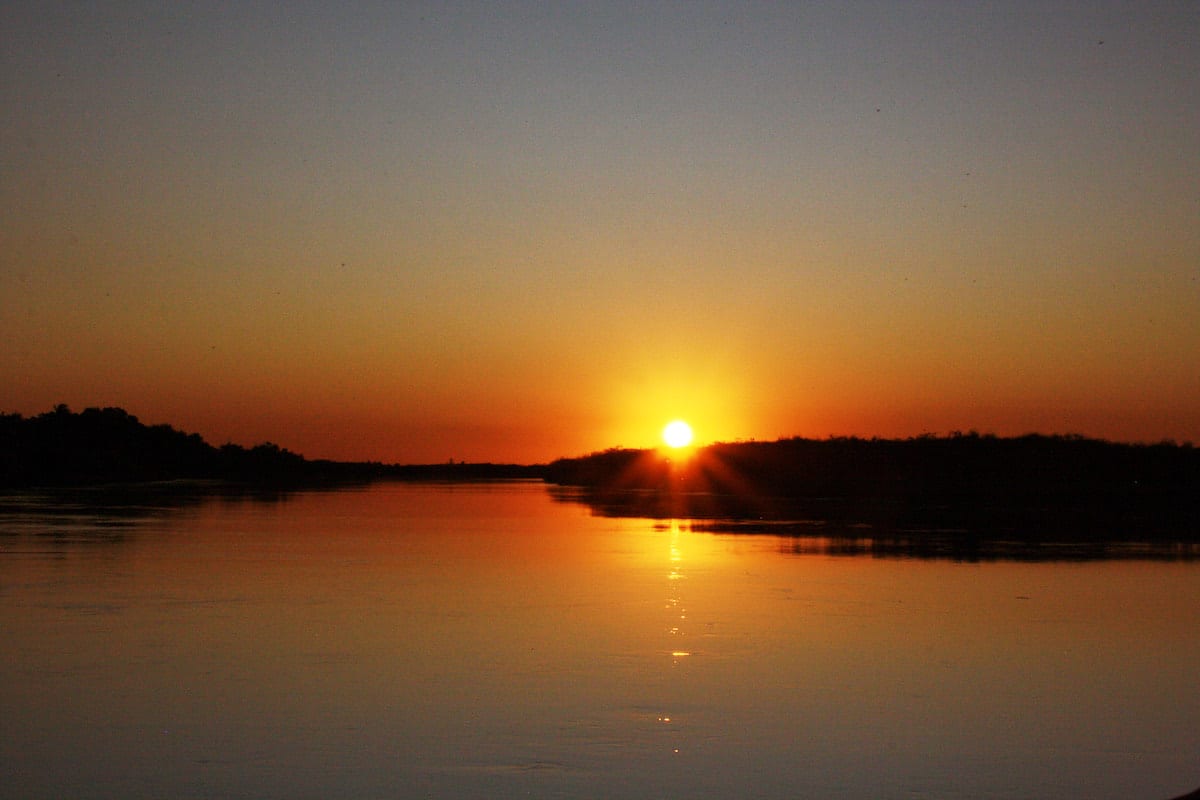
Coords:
pixel 677 434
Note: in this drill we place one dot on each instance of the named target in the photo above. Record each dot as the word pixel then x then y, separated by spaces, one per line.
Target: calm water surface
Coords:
pixel 485 641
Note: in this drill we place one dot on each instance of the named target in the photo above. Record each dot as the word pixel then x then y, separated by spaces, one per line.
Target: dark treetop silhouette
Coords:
pixel 109 445
pixel 959 488
pixel 939 489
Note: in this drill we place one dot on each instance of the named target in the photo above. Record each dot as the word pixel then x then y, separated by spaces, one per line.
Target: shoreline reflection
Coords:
pixel 111 514
pixel 834 527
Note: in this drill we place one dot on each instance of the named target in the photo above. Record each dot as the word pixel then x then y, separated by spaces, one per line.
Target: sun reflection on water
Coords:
pixel 675 579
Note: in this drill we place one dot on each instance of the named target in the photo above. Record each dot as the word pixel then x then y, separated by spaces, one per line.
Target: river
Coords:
pixel 492 640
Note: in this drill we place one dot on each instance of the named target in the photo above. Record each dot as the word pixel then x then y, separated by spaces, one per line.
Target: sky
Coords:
pixel 416 232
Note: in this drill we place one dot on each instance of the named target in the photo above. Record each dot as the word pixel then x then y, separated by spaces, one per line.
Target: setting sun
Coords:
pixel 677 434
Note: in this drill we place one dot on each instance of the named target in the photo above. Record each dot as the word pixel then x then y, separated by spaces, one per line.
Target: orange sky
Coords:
pixel 513 233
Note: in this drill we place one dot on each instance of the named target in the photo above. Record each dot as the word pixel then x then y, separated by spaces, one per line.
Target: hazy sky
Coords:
pixel 514 231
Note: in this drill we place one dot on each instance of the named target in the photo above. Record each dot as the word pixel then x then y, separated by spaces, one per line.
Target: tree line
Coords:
pixel 962 481
pixel 110 445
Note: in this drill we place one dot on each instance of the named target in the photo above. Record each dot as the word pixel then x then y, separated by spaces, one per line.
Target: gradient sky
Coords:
pixel 413 232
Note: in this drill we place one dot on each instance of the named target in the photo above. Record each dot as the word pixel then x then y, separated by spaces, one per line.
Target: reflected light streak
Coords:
pixel 675 577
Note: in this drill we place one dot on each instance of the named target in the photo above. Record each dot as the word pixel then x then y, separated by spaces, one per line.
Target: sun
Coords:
pixel 677 434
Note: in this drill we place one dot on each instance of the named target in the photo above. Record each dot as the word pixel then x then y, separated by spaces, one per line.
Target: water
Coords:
pixel 487 641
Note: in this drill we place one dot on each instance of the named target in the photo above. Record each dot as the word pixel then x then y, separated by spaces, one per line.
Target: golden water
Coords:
pixel 454 641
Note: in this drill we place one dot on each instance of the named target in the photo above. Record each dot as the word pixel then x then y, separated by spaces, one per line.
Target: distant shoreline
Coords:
pixel 101 446
pixel 960 485
pixel 956 488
